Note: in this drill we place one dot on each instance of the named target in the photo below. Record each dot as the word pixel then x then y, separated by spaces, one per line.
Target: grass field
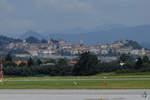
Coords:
pixel 82 84
pixel 28 83
pixel 99 76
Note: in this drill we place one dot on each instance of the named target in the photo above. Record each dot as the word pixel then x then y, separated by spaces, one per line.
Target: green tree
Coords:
pixel 128 61
pixel 9 60
pixel 139 63
pixel 38 62
pixel 23 64
pixel 61 62
pixel 8 57
pixel 50 61
pixel 145 59
pixel 125 58
pixel 30 62
pixel 87 64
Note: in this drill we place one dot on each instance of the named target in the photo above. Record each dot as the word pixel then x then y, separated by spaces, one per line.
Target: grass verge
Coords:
pixel 82 84
pixel 99 76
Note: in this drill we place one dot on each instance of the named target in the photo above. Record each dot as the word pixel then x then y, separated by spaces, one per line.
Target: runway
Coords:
pixel 73 94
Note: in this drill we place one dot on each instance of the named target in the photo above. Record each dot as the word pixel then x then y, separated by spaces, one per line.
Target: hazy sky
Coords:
pixel 59 15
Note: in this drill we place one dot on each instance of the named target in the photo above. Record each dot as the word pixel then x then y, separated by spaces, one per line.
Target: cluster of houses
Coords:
pixel 62 48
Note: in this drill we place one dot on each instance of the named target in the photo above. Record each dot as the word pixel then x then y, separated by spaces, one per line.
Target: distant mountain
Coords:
pixel 109 27
pixel 31 33
pixel 32 39
pixel 101 34
pixel 138 33
pixel 6 40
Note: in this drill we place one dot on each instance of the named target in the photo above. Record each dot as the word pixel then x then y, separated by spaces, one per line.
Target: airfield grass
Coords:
pixel 38 83
pixel 82 84
pixel 112 75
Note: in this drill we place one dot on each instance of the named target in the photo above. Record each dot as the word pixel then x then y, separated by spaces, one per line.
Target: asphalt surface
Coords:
pixel 74 94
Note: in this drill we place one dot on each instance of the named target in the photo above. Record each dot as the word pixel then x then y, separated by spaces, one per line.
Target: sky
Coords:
pixel 59 15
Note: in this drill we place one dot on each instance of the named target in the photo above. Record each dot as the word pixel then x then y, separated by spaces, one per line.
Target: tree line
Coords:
pixel 87 64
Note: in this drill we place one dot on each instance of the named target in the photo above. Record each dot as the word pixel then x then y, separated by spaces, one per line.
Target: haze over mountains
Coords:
pixel 110 34
pixel 103 34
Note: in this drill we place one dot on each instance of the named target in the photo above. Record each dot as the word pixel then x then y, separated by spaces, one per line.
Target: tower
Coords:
pixel 49 40
pixel 143 52
pixel 81 42
pixel 24 42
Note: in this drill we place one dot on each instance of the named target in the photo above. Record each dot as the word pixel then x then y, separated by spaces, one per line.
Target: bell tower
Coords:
pixel 49 40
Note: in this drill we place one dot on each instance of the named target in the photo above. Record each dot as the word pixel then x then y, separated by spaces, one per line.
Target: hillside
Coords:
pixel 6 40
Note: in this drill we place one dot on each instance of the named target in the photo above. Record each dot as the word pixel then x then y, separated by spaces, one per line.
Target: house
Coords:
pixel 73 62
pixel 20 62
pixel 23 55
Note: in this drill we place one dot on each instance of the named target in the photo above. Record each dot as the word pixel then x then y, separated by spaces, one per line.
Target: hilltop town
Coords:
pixel 51 48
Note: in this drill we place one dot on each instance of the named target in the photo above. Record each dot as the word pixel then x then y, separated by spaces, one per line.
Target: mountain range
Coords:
pixel 138 33
pixel 102 34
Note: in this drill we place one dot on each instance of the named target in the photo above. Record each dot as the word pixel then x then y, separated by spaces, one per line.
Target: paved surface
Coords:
pixel 73 94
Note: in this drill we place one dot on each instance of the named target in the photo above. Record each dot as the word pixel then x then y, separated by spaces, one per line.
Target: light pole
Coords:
pixel 1 71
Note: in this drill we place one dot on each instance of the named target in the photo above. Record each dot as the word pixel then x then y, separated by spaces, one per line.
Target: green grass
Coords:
pixel 83 84
pixel 99 76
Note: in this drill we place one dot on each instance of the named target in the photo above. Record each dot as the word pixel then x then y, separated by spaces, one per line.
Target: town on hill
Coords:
pixel 51 48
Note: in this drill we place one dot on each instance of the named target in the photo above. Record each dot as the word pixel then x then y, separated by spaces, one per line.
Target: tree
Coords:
pixel 22 64
pixel 145 59
pixel 38 62
pixel 30 62
pixel 127 61
pixel 87 64
pixel 139 63
pixel 8 58
pixel 61 62
pixel 125 58
pixel 50 61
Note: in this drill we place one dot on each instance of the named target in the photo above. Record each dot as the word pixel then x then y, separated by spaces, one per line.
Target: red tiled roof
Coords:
pixel 73 62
